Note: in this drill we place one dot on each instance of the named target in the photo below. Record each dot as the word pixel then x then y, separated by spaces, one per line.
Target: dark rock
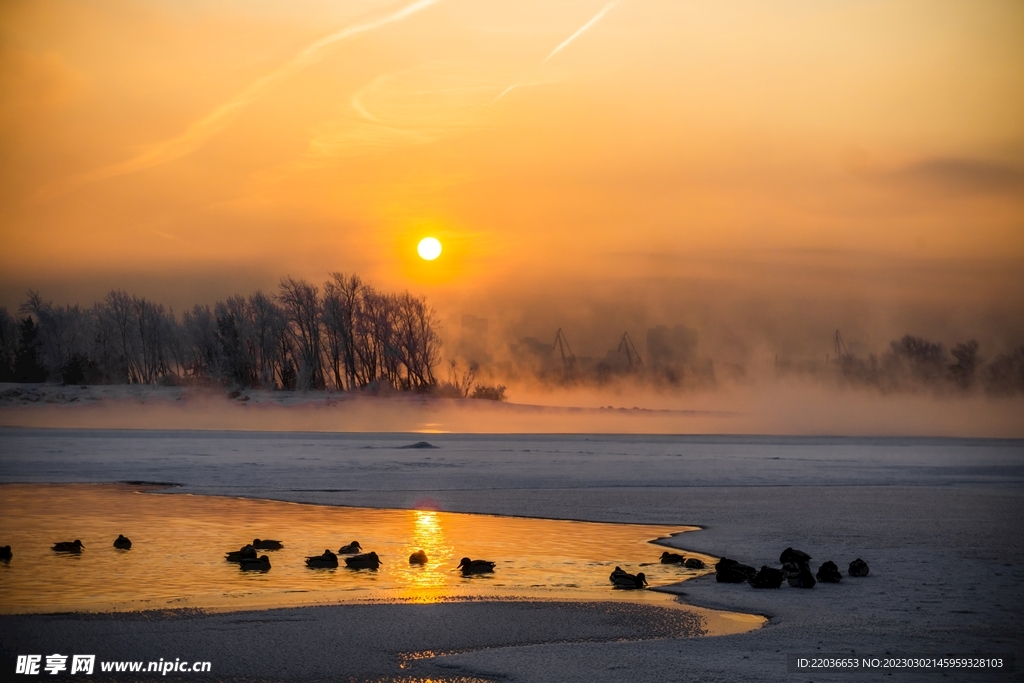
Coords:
pixel 234 394
pixel 731 571
pixel 829 573
pixel 767 577
pixel 791 555
pixel 858 568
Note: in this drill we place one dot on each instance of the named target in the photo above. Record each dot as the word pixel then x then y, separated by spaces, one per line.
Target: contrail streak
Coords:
pixel 199 132
pixel 596 18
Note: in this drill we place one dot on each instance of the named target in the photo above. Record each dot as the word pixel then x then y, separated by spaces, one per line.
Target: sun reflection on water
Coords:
pixel 179 541
pixel 427 581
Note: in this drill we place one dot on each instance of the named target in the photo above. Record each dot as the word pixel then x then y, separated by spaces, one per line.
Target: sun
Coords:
pixel 429 248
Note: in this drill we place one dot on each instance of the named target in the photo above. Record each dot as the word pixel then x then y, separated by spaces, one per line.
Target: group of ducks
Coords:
pixel 75 547
pixel 796 571
pixel 623 579
pixel 249 560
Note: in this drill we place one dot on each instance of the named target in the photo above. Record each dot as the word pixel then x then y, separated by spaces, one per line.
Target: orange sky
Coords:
pixel 191 150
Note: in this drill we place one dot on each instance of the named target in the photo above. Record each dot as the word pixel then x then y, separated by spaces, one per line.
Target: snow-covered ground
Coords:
pixel 938 520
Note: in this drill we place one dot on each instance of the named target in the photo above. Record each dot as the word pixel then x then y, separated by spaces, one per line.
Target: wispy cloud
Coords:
pixel 561 46
pixel 201 131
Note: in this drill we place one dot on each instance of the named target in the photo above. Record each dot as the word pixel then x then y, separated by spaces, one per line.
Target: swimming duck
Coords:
pixel 350 549
pixel 366 561
pixel 258 565
pixel 418 557
pixel 326 561
pixel 694 563
pixel 267 545
pixel 68 546
pixel 626 580
pixel 618 571
pixel 469 566
pixel 672 558
pixel 5 553
pixel 246 552
pixel 122 542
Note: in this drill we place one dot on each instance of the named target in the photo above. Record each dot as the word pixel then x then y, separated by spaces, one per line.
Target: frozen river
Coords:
pixel 938 520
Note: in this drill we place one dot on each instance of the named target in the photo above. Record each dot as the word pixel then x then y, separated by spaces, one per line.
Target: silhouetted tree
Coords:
pixel 1005 374
pixel 27 367
pixel 962 371
pixel 9 335
pixel 301 303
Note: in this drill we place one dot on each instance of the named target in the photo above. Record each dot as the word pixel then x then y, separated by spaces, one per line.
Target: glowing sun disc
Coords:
pixel 429 248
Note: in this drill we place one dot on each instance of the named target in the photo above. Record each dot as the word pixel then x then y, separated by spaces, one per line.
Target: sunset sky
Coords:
pixel 854 164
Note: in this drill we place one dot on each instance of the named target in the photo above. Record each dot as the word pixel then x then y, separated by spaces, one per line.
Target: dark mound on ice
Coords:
pixel 420 444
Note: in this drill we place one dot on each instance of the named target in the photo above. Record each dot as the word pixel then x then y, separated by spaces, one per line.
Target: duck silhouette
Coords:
pixel 68 546
pixel 365 561
pixel 326 561
pixel 246 552
pixel 350 549
pixel 267 545
pixel 672 558
pixel 122 542
pixel 469 566
pixel 5 553
pixel 261 564
pixel 624 579
pixel 694 563
pixel 418 557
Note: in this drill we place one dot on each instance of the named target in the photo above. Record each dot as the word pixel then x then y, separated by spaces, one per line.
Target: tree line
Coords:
pixel 915 362
pixel 346 335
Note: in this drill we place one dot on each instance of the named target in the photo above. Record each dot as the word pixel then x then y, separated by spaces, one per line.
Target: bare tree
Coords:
pixel 301 302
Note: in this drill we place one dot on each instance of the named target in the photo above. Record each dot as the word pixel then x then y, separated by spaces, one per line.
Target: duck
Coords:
pixel 5 553
pixel 418 557
pixel 828 572
pixel 672 558
pixel 694 563
pixel 627 580
pixel 618 571
pixel 326 561
pixel 68 546
pixel 365 561
pixel 246 552
pixel 262 564
pixel 122 542
pixel 767 577
pixel 790 555
pixel 469 566
pixel 858 568
pixel 267 545
pixel 350 549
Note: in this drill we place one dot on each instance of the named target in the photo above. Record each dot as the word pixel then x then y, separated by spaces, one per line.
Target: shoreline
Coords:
pixel 778 410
